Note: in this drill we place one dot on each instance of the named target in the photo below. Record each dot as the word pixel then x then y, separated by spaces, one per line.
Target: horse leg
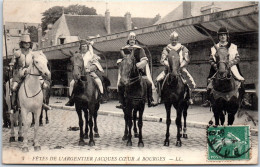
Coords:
pixel 129 123
pixel 179 125
pixel 96 135
pixel 126 130
pixel 20 132
pixel 222 118
pixel 86 123
pixel 216 115
pixel 25 122
pixel 36 144
pixel 184 118
pixel 90 121
pixel 46 116
pixel 33 120
pixel 12 137
pixel 81 141
pixel 168 123
pixel 140 126
pixel 40 120
pixel 134 120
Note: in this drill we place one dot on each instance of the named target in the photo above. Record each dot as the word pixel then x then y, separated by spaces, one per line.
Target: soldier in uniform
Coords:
pixel 91 65
pixel 133 49
pixel 20 62
pixel 234 59
pixel 185 59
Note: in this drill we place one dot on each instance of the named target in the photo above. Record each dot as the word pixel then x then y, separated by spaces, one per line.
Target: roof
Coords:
pixel 92 25
pixel 19 25
pixel 158 34
pixel 177 13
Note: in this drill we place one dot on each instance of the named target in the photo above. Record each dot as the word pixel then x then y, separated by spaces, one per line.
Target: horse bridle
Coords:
pixel 135 79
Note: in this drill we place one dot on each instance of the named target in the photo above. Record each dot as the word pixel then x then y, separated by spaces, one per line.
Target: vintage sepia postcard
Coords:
pixel 130 82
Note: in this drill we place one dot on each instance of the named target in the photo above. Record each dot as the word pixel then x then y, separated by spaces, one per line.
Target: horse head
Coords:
pixel 128 70
pixel 222 59
pixel 174 64
pixel 78 66
pixel 40 63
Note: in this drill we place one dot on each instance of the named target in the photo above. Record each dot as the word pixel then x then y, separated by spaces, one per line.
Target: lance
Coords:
pixel 9 69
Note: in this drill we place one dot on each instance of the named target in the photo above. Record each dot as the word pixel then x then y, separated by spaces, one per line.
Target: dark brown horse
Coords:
pixel 226 95
pixel 175 92
pixel 86 99
pixel 134 88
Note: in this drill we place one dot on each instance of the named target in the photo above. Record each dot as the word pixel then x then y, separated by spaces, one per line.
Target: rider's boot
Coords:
pixel 190 97
pixel 207 102
pixel 45 106
pixel 151 103
pixel 244 96
pixel 71 99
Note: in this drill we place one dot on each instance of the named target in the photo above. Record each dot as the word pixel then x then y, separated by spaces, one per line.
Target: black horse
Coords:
pixel 175 92
pixel 134 88
pixel 225 96
pixel 86 99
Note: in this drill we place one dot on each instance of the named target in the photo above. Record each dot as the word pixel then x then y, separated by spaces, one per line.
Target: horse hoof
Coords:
pixel 47 121
pixel 178 143
pixel 124 138
pixel 25 149
pixel 32 125
pixel 41 124
pixel 129 143
pixel 81 143
pixel 85 136
pixel 96 135
pixel 20 139
pixel 37 148
pixel 91 143
pixel 136 135
pixel 166 143
pixel 185 136
pixel 140 144
pixel 12 139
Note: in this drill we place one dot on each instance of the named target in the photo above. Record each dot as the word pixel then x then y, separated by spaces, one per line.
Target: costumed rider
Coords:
pixel 132 48
pixel 91 65
pixel 184 61
pixel 20 62
pixel 234 59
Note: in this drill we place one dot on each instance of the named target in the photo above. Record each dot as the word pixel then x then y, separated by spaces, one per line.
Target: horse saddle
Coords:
pixel 227 95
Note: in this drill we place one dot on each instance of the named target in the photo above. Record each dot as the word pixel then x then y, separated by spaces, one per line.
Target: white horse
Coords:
pixel 30 97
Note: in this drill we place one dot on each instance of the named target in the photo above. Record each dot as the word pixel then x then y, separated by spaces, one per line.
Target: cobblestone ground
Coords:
pixel 55 135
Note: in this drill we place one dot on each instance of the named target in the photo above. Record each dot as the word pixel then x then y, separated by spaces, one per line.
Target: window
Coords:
pixel 7 31
pixel 62 41
pixel 19 31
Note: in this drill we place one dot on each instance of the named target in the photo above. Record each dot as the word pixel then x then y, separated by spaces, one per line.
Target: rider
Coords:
pixel 234 59
pixel 185 59
pixel 91 65
pixel 141 64
pixel 20 62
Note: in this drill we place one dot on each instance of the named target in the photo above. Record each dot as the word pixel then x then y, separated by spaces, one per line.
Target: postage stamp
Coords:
pixel 228 143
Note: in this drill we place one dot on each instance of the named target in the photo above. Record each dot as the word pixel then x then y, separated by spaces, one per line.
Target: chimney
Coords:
pixel 40 36
pixel 128 21
pixel 107 21
pixel 186 9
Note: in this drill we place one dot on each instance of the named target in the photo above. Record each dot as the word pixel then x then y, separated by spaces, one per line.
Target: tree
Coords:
pixel 33 33
pixel 51 15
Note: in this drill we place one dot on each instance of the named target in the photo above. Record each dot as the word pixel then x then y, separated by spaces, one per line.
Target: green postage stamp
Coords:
pixel 228 143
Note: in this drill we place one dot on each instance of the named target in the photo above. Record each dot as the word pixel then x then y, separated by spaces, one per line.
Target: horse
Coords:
pixel 175 92
pixel 46 97
pixel 134 98
pixel 30 97
pixel 86 100
pixel 225 96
